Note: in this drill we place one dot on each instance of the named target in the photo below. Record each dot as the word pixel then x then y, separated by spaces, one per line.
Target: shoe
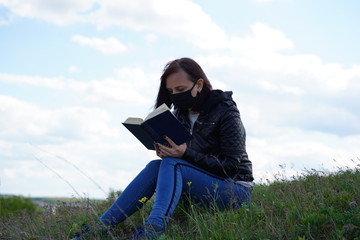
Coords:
pixel 148 232
pixel 86 230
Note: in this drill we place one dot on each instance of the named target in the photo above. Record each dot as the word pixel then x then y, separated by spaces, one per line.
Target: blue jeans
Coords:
pixel 173 178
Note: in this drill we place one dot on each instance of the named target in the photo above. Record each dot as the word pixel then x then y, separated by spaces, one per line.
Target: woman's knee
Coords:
pixel 154 164
pixel 173 161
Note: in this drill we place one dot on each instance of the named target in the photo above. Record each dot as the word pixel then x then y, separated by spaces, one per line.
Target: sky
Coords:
pixel 72 71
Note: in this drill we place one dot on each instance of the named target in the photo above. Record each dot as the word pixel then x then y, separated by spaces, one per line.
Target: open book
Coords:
pixel 159 123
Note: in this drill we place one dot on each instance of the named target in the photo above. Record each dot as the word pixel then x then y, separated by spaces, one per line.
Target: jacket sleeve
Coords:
pixel 232 137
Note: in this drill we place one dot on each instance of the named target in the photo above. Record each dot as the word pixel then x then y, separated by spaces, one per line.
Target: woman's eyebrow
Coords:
pixel 179 86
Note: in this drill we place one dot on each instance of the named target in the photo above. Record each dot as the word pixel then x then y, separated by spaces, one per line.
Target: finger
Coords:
pixel 156 145
pixel 160 154
pixel 171 142
pixel 164 147
pixel 156 148
pixel 165 152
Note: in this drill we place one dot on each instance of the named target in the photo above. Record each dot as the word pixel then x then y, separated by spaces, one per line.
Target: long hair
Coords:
pixel 194 72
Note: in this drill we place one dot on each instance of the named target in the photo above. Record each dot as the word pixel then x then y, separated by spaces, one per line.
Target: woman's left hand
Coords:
pixel 176 151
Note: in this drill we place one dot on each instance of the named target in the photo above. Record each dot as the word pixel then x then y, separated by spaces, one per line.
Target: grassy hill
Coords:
pixel 315 205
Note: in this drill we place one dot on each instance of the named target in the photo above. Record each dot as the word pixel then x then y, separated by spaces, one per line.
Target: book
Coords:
pixel 159 123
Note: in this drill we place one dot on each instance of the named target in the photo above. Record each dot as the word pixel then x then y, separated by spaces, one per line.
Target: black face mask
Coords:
pixel 184 100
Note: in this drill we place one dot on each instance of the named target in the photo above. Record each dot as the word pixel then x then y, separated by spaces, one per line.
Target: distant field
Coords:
pixel 314 205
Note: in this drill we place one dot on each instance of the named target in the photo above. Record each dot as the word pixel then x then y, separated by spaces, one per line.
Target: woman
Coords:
pixel 212 168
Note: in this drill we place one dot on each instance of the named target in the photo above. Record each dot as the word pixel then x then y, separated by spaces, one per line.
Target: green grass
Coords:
pixel 315 205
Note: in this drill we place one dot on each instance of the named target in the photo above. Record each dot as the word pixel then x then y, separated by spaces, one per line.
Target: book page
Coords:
pixel 133 120
pixel 162 108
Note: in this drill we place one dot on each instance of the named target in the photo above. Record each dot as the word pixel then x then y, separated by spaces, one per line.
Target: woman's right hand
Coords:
pixel 172 150
pixel 157 149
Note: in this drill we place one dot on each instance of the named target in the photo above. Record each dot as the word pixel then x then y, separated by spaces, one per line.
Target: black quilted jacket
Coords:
pixel 219 138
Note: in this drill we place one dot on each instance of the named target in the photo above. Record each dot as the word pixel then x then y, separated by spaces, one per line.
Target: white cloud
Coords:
pixel 280 93
pixel 258 54
pixel 54 83
pixel 27 121
pixel 261 40
pixel 58 12
pixel 108 46
pixel 151 38
pixel 114 90
pixel 73 69
pixel 299 150
pixel 126 85
pixel 314 75
pixel 90 166
pixel 159 16
pixel 293 90
pixel 85 136
pixel 5 17
pixel 293 105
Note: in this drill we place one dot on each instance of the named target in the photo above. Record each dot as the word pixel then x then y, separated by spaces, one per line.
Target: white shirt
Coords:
pixel 193 117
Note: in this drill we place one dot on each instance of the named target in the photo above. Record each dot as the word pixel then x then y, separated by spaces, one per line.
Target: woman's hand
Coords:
pixel 173 150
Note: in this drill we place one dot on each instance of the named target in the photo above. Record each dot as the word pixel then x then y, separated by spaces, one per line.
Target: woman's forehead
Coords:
pixel 178 79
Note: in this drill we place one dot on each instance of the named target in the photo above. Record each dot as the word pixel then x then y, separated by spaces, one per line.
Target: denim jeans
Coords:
pixel 172 178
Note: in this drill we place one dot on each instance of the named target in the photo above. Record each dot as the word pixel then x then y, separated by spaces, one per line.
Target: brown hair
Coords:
pixel 192 69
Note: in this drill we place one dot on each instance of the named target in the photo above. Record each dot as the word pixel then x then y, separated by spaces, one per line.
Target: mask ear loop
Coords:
pixel 193 85
pixel 199 91
pixel 197 101
pixel 200 99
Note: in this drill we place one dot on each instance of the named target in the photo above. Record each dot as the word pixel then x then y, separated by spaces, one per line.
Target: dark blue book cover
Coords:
pixel 141 134
pixel 155 128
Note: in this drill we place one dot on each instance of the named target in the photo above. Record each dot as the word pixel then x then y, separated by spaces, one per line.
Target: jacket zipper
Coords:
pixel 201 123
pixel 191 131
pixel 206 123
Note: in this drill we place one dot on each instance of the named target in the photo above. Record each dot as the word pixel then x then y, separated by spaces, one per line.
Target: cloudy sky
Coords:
pixel 72 71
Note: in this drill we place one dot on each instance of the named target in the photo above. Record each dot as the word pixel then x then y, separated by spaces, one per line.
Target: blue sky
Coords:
pixel 71 72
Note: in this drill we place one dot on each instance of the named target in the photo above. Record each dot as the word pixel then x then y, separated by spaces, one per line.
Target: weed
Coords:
pixel 313 205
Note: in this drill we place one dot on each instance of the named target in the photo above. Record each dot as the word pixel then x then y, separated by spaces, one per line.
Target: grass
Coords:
pixel 314 205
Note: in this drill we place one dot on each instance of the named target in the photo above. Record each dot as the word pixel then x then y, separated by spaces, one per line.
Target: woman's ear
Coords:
pixel 200 84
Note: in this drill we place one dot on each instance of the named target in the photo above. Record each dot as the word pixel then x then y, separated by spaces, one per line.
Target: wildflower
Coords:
pixel 189 183
pixel 143 200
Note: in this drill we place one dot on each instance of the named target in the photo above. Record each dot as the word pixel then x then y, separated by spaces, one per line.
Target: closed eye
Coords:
pixel 180 89
pixel 177 90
